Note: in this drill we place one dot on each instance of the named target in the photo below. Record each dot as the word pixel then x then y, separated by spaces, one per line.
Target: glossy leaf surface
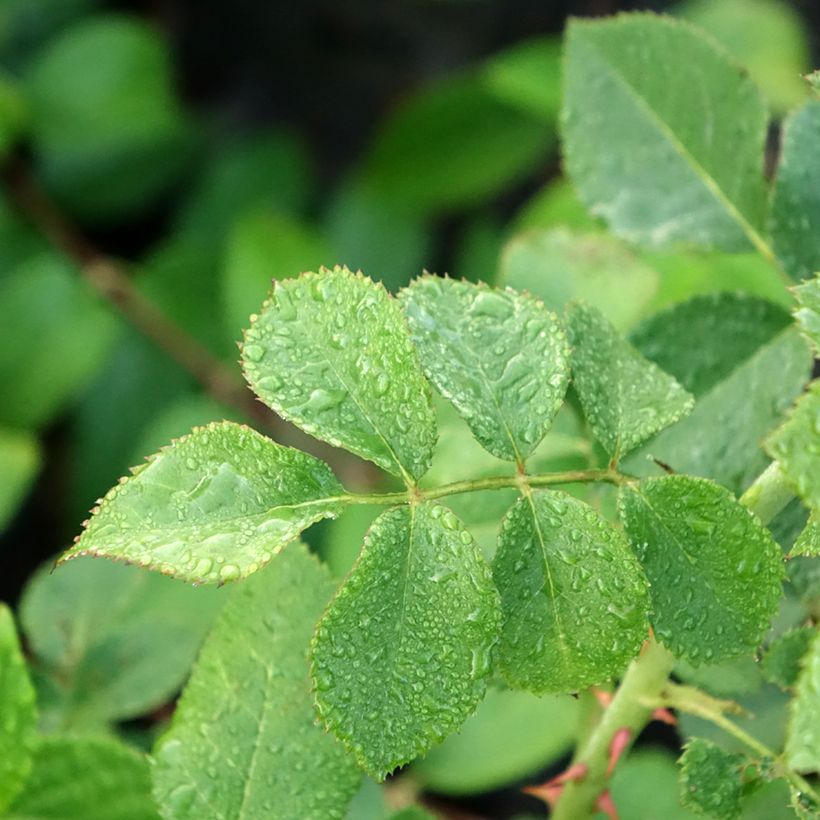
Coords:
pixel 803 735
pixel 808 542
pixel 710 780
pixel 807 313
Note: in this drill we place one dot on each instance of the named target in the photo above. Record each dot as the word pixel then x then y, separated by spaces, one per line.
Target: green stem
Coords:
pixel 644 680
pixel 769 494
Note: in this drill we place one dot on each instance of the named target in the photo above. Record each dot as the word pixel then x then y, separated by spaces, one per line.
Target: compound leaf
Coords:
pixel 626 398
pixel 638 89
pixel 331 352
pixel 212 507
pixel 781 663
pixel 401 657
pixel 796 446
pixel 714 570
pixel 807 314
pixel 500 357
pixel 803 733
pixel 808 542
pixel 794 220
pixel 77 778
pixel 573 597
pixel 247 710
pixel 711 779
pixel 17 729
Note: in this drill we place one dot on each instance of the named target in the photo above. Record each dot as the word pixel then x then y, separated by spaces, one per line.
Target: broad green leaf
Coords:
pixel 626 398
pixel 729 327
pixel 453 144
pixel 768 37
pixel 796 446
pixel 638 89
pixel 497 355
pixel 67 333
pixel 807 313
pixel 262 247
pixel 711 780
pixel 808 542
pixel 109 134
pixel 573 596
pixel 781 663
pixel 214 506
pixel 114 642
pixel 78 778
pixel 794 221
pixel 331 352
pixel 401 656
pixel 560 265
pixel 721 438
pixel 243 742
pixel 714 570
pixel 803 734
pixel 740 675
pixel 512 735
pixel 17 738
pixel 19 462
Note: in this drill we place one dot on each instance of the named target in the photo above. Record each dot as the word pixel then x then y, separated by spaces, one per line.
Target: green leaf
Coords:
pixel 116 642
pixel 813 79
pixel 731 419
pixel 781 663
pixel 401 656
pixel 555 205
pixel 796 446
pixel 17 738
pixel 560 265
pixel 512 735
pixel 729 327
pixel 626 398
pixel 76 778
pixel 803 734
pixel 243 742
pixel 109 134
pixel 67 333
pixel 768 37
pixel 214 506
pixel 794 221
pixel 638 89
pixel 808 542
pixel 714 570
pixel 497 355
pixel 573 596
pixel 453 144
pixel 12 113
pixel 412 813
pixel 19 462
pixel 711 780
pixel 807 313
pixel 331 352
pixel 804 805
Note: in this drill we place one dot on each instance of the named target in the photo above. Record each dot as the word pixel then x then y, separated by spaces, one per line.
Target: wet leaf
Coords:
pixel 214 506
pixel 330 351
pixel 711 780
pixel 781 663
pixel 807 313
pixel 243 742
pixel 497 355
pixel 808 542
pixel 714 570
pixel 803 733
pixel 401 657
pixel 573 597
pixel 626 398
pixel 637 91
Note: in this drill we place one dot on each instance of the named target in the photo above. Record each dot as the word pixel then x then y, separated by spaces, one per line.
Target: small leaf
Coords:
pixel 714 570
pixel 781 663
pixel 807 313
pixel 402 654
pixel 331 352
pixel 803 733
pixel 17 728
pixel 804 805
pixel 626 398
pixel 796 446
pixel 637 90
pixel 573 596
pixel 248 702
pixel 214 506
pixel 711 780
pixel 498 356
pixel 19 461
pixel 78 778
pixel 808 542
pixel 794 220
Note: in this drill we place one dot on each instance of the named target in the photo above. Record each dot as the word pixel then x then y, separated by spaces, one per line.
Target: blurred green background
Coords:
pixel 163 161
